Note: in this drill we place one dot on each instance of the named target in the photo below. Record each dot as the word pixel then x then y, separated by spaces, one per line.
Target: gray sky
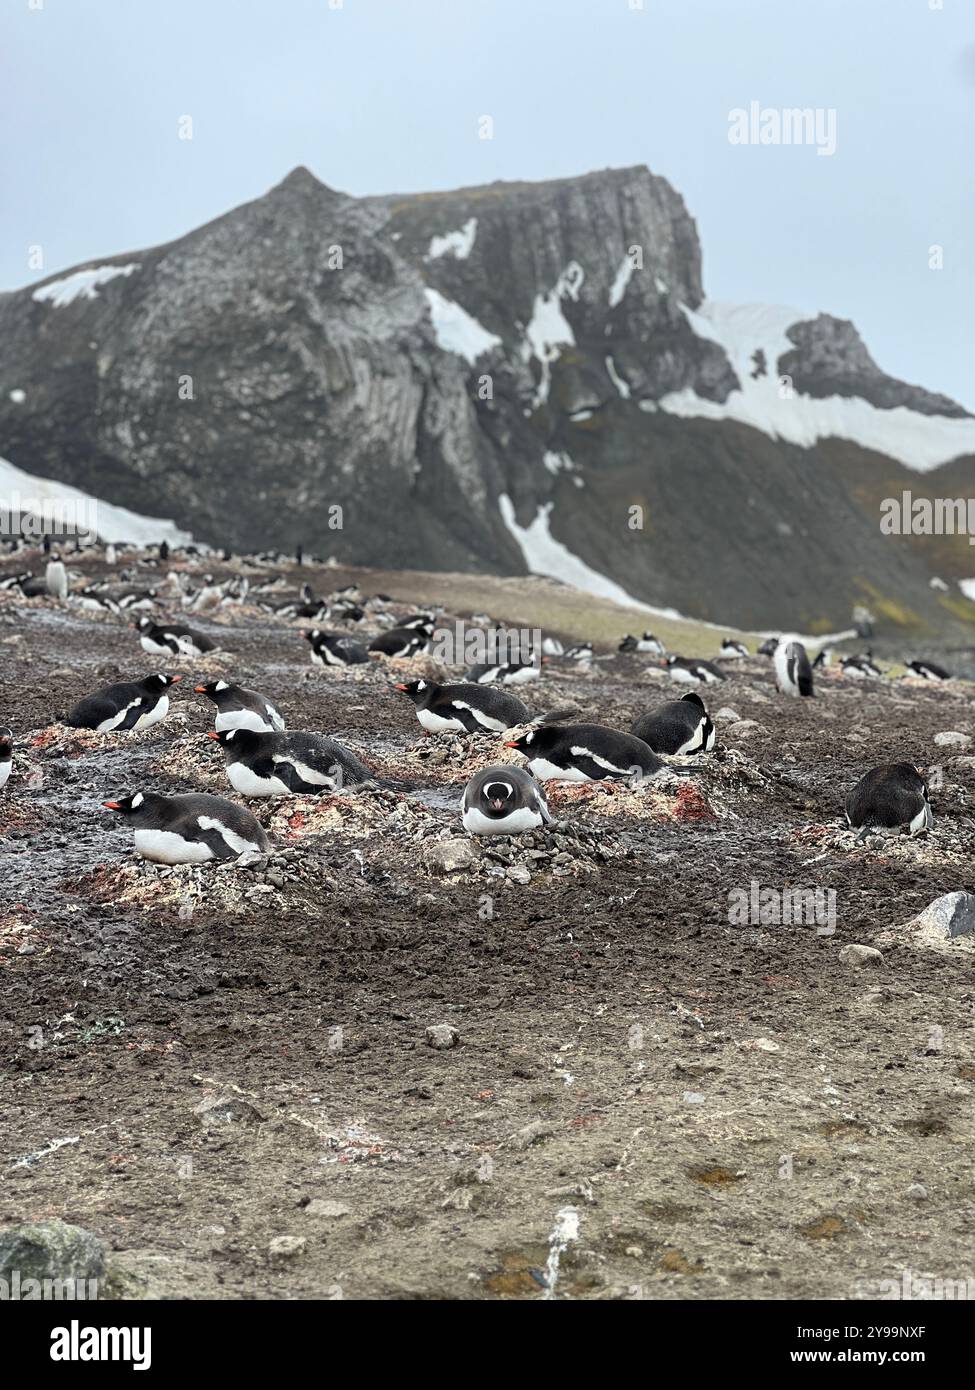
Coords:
pixel 384 95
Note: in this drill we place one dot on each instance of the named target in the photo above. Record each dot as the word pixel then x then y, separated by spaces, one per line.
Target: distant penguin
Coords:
pixel 165 638
pixel 679 726
pixel 822 658
pixel 503 673
pixel 862 667
pixel 332 649
pixel 400 642
pixel 6 755
pixel 691 670
pixel 124 707
pixel 56 578
pixel 892 797
pixel 585 753
pixel 768 646
pixel 793 673
pixel 581 653
pixel 238 708
pixel 283 764
pixel 733 649
pixel 503 800
pixel 929 670
pixel 464 708
pixel 191 829
pixel 647 643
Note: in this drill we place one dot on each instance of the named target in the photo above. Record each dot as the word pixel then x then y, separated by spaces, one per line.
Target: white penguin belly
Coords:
pixel 5 772
pixel 243 719
pixel 545 771
pixel 159 711
pixel 243 780
pixel 514 824
pixel 166 847
pixel 436 724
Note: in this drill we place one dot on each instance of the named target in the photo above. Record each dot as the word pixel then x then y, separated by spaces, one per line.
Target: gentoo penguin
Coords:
pixel 503 673
pixel 281 764
pixel 189 829
pixel 861 667
pixel 822 658
pixel 647 643
pixel 585 753
pixel 551 646
pixel 891 797
pixel 238 708
pixel 473 709
pixel 793 673
pixel 6 754
pixel 331 649
pixel 679 726
pixel 503 800
pixel 580 653
pixel 170 639
pixel 130 599
pixel 733 649
pixel 417 622
pixel 56 577
pixel 691 671
pixel 400 641
pixel 768 646
pixel 929 670
pixel 118 708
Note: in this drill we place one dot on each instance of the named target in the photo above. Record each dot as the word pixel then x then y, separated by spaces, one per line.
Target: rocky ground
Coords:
pixel 392 1062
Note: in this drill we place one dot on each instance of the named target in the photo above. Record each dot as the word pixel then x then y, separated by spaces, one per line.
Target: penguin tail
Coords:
pixel 556 716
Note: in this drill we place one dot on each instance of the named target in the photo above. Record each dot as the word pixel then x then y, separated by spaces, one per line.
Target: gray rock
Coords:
pixel 454 856
pixel 725 712
pixel 518 874
pixel 51 1250
pixel 949 916
pixel 442 1035
pixel 219 1112
pixel 531 1133
pixel 952 738
pixel 286 1247
pixel 859 956
pixel 321 1206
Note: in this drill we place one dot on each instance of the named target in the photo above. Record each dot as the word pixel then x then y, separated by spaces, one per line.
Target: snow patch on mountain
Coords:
pixel 549 331
pixel 456 330
pixel 546 555
pixel 457 244
pixel 83 284
pixel 620 281
pixel 21 492
pixel 754 338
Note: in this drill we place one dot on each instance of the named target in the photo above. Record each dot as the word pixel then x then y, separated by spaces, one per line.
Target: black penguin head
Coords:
pixel 314 636
pixel 668 660
pixel 628 644
pixel 214 690
pixel 6 744
pixel 133 805
pixel 768 646
pixel 420 692
pixel 237 743
pixel 694 699
pixel 142 624
pixel 160 682
pixel 535 740
pixel 498 797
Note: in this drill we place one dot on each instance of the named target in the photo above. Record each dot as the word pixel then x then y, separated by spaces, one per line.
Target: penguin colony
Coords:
pixel 263 758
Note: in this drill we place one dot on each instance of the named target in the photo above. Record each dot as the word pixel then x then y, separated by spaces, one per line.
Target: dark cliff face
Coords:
pixel 410 359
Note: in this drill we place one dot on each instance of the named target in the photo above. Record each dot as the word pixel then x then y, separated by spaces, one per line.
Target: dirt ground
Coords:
pixel 646 1099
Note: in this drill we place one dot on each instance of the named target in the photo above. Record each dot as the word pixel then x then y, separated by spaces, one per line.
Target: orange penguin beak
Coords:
pixel 511 745
pixel 214 735
pixel 399 686
pixel 111 806
pixel 200 689
pixel 175 680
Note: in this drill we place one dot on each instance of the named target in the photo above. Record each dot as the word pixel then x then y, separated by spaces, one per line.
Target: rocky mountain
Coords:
pixel 510 378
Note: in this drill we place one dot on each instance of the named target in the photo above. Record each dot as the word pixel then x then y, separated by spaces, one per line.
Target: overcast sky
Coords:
pixel 384 95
